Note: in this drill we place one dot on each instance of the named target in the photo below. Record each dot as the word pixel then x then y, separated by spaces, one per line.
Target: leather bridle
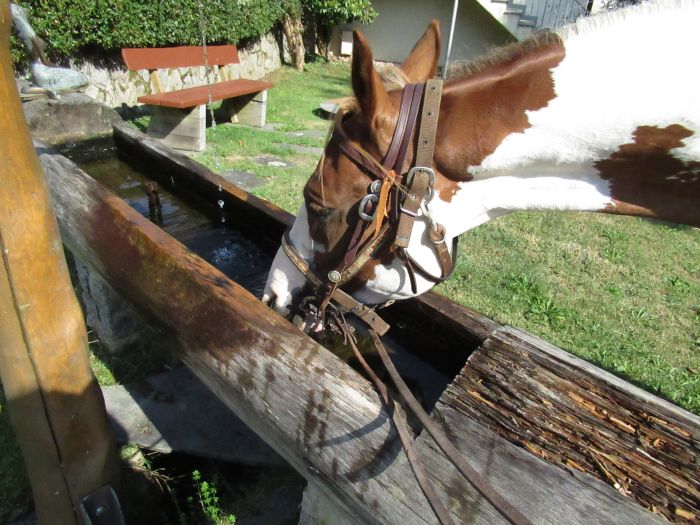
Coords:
pixel 401 193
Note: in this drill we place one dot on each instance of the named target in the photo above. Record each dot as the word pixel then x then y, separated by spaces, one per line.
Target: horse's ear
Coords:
pixel 370 92
pixel 421 65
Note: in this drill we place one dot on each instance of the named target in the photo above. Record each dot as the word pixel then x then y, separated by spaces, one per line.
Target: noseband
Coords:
pixel 394 194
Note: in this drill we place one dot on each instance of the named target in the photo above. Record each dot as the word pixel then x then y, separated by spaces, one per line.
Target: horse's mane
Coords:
pixel 464 69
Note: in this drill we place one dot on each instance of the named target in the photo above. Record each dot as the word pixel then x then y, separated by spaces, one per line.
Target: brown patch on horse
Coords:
pixel 489 102
pixel 648 181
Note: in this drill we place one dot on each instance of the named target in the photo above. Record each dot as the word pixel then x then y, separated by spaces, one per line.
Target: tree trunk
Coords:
pixel 293 30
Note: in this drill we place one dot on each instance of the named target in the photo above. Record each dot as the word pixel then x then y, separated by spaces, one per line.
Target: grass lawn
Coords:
pixel 621 292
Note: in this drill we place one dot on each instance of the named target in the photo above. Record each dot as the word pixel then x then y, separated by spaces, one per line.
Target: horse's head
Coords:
pixel 327 221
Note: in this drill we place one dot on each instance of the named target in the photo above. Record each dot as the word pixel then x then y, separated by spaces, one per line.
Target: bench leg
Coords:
pixel 250 110
pixel 179 128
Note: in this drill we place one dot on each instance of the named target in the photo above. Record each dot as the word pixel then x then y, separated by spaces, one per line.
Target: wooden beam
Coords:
pixel 319 414
pixel 54 403
pixel 575 415
pixel 155 81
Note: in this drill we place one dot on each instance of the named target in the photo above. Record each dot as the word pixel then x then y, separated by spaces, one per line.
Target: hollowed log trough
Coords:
pixel 326 420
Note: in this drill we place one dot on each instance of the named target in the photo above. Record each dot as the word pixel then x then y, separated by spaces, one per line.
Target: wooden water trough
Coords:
pixel 565 441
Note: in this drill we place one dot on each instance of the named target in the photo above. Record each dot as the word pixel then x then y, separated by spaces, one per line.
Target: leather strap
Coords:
pixel 411 205
pixel 400 129
pixel 406 124
pixel 475 478
pixel 358 155
pixel 424 159
pixel 428 123
pixel 368 315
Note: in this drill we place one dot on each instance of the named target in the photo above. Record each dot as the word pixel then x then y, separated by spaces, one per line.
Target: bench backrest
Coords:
pixel 182 56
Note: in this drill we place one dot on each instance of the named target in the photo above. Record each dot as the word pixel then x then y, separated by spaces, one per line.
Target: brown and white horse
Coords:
pixel 601 116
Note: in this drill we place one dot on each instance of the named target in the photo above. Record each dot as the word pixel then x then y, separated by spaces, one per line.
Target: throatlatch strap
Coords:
pixel 409 210
pixel 428 123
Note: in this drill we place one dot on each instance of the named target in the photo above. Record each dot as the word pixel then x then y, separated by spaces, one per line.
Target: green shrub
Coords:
pixel 74 26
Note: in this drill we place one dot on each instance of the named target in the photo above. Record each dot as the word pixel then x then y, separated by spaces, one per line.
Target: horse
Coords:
pixel 600 116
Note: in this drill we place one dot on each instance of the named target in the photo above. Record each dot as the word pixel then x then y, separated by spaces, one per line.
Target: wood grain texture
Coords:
pixel 193 96
pixel 313 409
pixel 306 403
pixel 580 417
pixel 180 56
pixel 53 400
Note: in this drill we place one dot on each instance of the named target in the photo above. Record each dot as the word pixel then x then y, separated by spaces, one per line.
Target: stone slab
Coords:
pixel 273 162
pixel 244 179
pixel 175 412
pixel 309 133
pixel 71 118
pixel 304 150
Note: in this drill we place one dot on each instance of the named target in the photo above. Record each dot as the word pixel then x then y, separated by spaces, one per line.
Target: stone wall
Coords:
pixel 113 85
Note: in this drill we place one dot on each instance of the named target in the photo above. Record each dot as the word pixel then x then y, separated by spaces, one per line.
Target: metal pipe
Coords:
pixel 449 41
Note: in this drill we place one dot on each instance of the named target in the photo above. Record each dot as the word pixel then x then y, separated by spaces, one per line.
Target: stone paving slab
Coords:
pixel 175 412
pixel 244 179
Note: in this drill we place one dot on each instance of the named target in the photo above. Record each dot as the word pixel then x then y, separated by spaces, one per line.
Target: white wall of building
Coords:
pixel 400 23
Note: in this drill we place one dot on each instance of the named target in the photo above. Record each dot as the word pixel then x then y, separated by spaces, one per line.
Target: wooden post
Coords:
pixel 54 402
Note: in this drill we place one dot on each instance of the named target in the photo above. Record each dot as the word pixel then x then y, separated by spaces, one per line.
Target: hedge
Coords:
pixel 73 26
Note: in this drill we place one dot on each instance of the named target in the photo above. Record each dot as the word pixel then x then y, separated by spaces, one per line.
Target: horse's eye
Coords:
pixel 318 211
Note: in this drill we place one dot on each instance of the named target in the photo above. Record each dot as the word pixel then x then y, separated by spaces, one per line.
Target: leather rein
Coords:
pixel 398 196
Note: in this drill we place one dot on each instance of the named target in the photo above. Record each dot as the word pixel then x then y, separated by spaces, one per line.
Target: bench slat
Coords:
pixel 186 98
pixel 182 56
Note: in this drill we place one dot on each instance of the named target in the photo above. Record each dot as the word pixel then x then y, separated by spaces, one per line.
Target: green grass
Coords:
pixel 621 292
pixel 296 96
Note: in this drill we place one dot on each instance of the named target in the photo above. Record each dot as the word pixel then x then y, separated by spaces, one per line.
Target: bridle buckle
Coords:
pixel 374 199
pixel 431 177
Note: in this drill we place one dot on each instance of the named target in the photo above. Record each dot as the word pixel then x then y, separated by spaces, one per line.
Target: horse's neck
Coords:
pixel 620 131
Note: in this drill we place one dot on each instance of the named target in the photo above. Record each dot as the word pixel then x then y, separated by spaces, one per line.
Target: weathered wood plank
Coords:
pixel 576 415
pixel 53 400
pixel 308 405
pixel 543 492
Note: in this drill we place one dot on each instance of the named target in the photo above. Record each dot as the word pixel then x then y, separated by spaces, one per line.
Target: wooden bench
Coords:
pixel 179 117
